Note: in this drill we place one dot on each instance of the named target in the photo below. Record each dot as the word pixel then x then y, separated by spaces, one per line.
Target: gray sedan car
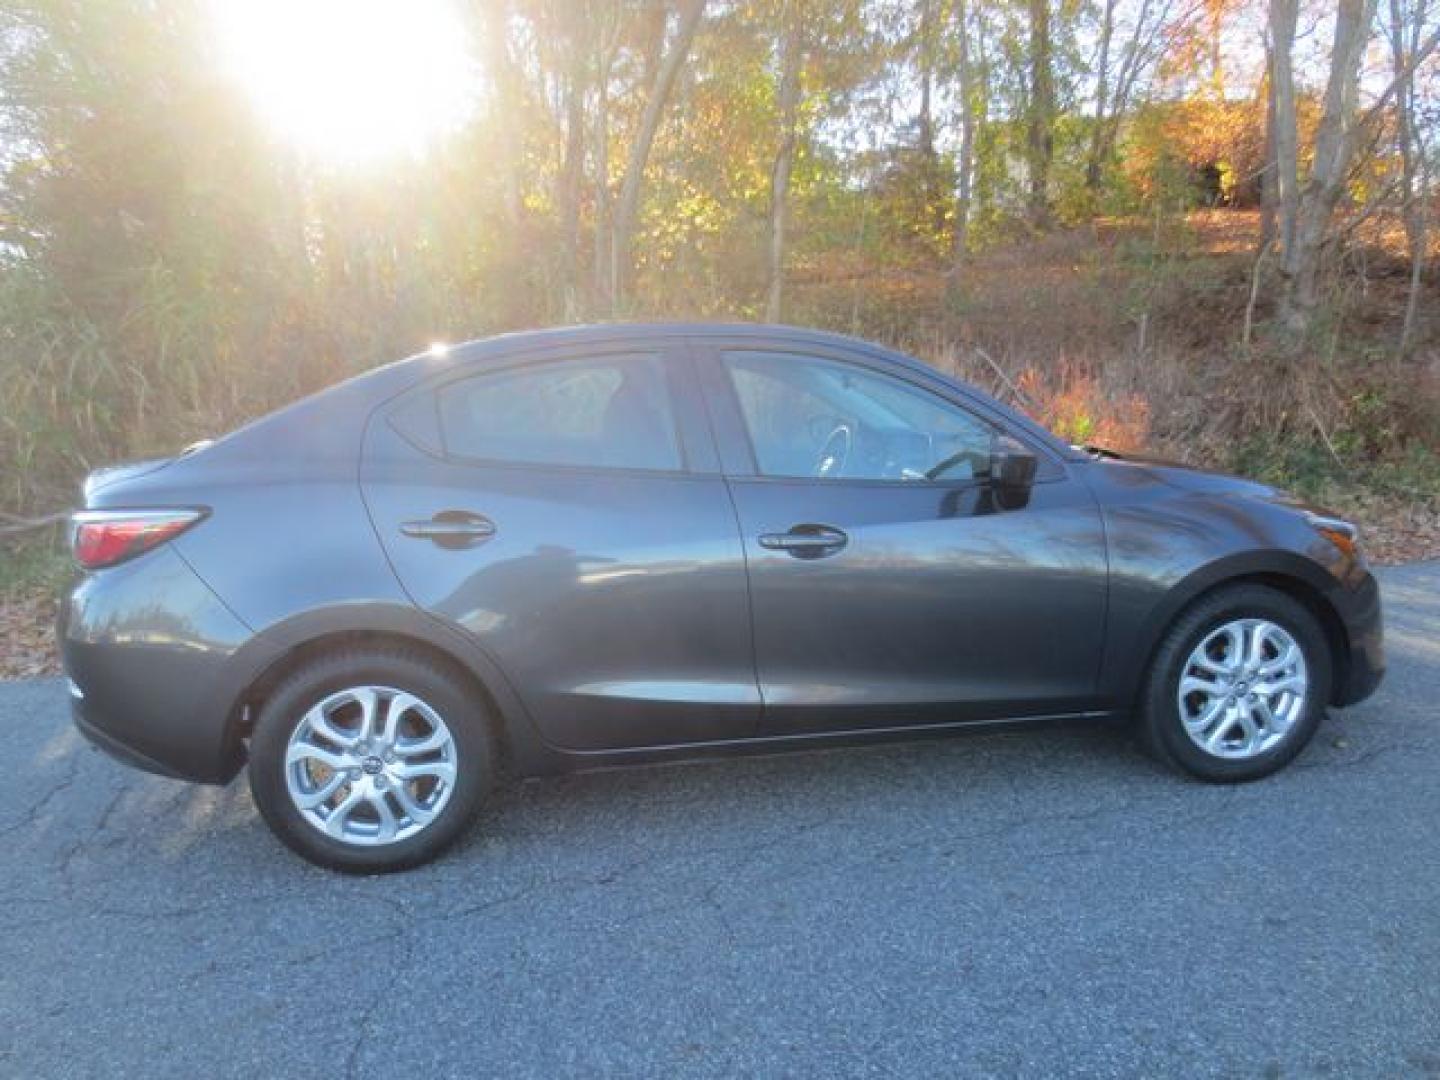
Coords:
pixel 589 547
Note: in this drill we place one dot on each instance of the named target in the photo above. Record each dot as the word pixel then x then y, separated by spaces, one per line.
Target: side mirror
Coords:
pixel 1012 467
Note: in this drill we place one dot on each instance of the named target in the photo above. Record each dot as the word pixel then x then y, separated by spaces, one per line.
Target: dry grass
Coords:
pixel 1136 329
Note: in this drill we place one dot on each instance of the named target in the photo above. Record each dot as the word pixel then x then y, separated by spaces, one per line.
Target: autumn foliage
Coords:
pixel 1070 402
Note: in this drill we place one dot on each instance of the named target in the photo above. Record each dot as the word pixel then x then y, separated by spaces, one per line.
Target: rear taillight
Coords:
pixel 103 538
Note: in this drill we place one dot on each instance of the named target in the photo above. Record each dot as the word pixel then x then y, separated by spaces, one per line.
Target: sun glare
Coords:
pixel 351 80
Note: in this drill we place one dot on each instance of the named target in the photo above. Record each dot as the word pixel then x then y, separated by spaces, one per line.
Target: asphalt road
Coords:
pixel 1038 903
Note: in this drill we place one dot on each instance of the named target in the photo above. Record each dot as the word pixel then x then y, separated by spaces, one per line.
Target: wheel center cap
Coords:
pixel 372 765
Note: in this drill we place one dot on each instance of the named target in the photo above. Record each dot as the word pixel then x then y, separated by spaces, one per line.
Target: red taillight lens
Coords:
pixel 103 538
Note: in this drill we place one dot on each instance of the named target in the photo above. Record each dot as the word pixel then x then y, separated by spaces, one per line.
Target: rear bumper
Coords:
pixel 120 751
pixel 1363 666
pixel 150 652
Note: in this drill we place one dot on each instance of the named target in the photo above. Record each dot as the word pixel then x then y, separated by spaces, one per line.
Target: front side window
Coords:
pixel 609 412
pixel 824 419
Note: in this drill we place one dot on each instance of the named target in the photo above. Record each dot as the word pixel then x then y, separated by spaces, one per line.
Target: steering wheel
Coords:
pixel 939 470
pixel 834 452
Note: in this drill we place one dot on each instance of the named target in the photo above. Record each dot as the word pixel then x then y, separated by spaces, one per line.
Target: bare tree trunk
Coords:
pixel 508 87
pixel 982 185
pixel 1041 125
pixel 788 104
pixel 1141 50
pixel 1404 37
pixel 1284 135
pixel 1335 143
pixel 1269 190
pixel 926 122
pixel 572 174
pixel 628 203
pixel 603 271
pixel 1093 165
pixel 965 155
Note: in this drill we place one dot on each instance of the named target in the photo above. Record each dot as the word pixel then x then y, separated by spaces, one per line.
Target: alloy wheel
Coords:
pixel 370 765
pixel 1243 688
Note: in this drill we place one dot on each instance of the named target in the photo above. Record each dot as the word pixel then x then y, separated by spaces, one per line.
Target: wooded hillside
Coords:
pixel 1195 225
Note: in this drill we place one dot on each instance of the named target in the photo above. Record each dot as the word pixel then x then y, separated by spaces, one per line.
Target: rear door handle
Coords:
pixel 451 529
pixel 806 541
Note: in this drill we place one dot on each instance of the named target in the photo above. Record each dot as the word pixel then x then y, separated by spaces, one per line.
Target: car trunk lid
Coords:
pixel 110 475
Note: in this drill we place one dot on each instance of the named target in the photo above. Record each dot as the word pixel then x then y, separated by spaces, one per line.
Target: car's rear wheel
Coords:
pixel 1238 686
pixel 369 761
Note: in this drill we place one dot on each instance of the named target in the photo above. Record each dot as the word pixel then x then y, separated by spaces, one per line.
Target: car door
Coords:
pixel 567 510
pixel 883 596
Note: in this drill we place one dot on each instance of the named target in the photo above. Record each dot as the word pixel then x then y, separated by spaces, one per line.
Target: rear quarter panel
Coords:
pixel 290 549
pixel 288 531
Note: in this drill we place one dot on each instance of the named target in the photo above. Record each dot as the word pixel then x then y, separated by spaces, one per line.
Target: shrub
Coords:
pixel 1071 402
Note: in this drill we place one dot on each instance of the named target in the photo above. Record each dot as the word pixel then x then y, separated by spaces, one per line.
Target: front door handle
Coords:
pixel 806 541
pixel 451 529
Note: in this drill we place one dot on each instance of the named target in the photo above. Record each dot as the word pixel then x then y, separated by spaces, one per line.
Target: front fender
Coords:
pixel 1143 609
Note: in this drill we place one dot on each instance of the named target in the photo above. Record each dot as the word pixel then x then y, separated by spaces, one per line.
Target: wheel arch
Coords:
pixel 1282 571
pixel 283 648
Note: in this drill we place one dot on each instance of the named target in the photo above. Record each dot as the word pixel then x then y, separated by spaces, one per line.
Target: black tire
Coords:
pixel 413 673
pixel 1161 725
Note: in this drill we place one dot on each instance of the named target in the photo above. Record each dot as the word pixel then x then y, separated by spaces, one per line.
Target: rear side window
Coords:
pixel 611 411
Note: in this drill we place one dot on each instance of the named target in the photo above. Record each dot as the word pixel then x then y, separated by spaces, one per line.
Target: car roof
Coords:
pixel 599 333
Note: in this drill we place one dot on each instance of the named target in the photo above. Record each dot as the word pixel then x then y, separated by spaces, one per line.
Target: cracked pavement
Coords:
pixel 1028 903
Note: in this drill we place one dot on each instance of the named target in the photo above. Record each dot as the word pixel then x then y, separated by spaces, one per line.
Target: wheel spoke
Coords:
pixel 1274 723
pixel 311 799
pixel 438 739
pixel 1255 638
pixel 318 720
pixel 1234 636
pixel 1247 725
pixel 309 751
pixel 1205 662
pixel 1192 685
pixel 413 808
pixel 369 702
pixel 1293 684
pixel 1216 736
pixel 336 820
pixel 1213 711
pixel 395 711
pixel 384 815
pixel 442 771
pixel 1284 662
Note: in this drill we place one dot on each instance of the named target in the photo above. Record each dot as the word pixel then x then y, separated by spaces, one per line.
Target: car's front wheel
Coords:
pixel 1238 686
pixel 368 761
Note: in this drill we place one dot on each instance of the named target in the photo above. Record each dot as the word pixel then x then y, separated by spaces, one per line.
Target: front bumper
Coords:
pixel 1362 667
pixel 149 650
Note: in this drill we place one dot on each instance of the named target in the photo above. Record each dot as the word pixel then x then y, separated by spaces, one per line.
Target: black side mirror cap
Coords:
pixel 1012 465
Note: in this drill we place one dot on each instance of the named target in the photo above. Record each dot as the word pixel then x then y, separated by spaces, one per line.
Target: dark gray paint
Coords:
pixel 931 610
pixel 614 600
pixel 614 615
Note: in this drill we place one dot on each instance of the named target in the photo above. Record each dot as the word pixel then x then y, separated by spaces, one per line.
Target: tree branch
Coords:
pixel 14 524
